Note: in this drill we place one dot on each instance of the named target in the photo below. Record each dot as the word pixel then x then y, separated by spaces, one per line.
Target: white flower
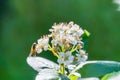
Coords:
pixel 82 56
pixel 42 44
pixel 38 49
pixel 71 39
pixel 65 58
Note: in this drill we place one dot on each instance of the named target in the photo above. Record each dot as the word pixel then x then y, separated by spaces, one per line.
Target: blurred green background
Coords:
pixel 22 22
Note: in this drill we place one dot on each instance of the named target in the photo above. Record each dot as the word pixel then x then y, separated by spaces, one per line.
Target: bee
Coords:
pixel 33 50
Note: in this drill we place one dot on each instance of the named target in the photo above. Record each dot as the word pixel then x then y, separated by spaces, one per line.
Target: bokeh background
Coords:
pixel 22 22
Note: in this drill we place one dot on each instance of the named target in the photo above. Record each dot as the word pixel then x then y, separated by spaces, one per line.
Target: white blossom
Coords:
pixel 38 49
pixel 65 58
pixel 82 56
pixel 42 44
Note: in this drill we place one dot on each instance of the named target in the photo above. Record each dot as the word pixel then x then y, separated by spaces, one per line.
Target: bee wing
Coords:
pixel 39 63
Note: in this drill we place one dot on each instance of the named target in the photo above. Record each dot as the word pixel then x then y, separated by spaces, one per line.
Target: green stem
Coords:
pixel 52 50
pixel 62 66
pixel 62 69
pixel 73 48
pixel 63 48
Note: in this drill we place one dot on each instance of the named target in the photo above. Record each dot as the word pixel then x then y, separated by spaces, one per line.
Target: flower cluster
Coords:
pixel 65 42
pixel 66 34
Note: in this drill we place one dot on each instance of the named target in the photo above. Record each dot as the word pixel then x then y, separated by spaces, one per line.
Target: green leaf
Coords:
pixel 98 68
pixel 74 76
pixel 112 76
pixel 50 74
pixel 47 74
pixel 86 33
pixel 90 78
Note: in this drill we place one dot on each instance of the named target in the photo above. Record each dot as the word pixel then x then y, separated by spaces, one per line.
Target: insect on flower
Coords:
pixel 41 65
pixel 33 50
